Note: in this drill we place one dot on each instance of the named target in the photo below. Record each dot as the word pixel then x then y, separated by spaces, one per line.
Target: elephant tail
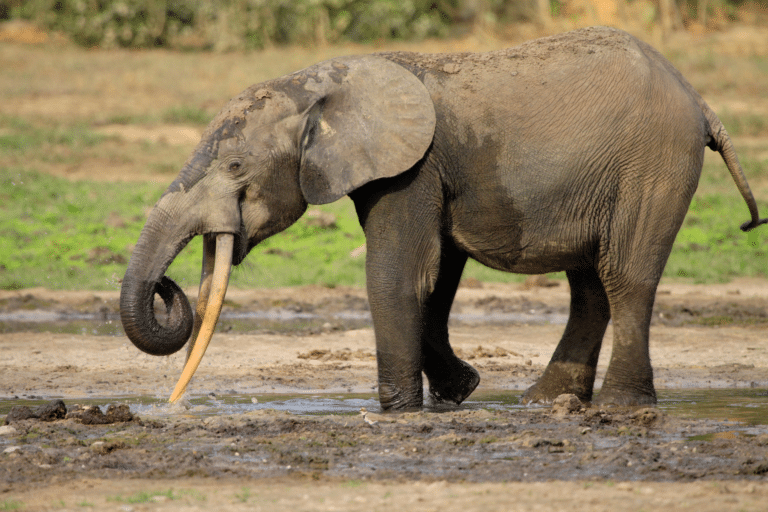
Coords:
pixel 721 142
pixel 718 138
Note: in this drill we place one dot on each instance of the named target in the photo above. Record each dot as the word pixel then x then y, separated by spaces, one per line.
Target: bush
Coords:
pixel 239 24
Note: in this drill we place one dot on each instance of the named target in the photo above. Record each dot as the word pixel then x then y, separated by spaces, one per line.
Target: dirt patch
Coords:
pixel 187 136
pixel 504 330
pixel 335 457
pixel 471 449
pixel 484 445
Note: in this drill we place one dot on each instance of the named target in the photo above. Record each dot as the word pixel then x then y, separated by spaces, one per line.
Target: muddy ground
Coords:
pixel 567 457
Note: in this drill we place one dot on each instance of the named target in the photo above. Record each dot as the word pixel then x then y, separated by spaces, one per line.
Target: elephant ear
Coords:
pixel 367 118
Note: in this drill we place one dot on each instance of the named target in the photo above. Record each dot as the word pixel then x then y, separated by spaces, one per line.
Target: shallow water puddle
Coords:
pixel 108 324
pixel 748 407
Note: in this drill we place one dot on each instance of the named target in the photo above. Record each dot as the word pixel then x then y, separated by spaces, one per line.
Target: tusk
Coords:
pixel 209 255
pixel 219 280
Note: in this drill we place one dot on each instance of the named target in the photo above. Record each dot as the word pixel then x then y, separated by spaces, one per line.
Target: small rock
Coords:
pixel 647 416
pixel 356 253
pixel 53 410
pixel 92 415
pixel 105 447
pixel 19 413
pixel 451 68
pixel 12 449
pixel 566 404
pixel 7 430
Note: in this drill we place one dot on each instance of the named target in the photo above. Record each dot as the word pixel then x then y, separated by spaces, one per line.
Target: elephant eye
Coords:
pixel 235 166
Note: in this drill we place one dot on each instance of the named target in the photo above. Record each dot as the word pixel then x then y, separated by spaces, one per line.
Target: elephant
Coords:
pixel 578 152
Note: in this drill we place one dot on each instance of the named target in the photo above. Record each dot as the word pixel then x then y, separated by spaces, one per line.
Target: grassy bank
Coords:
pixel 90 139
pixel 64 234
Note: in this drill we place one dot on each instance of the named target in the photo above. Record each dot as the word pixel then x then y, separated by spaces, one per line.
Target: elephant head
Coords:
pixel 309 137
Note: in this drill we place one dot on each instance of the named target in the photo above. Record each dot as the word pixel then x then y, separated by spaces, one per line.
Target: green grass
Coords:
pixel 750 125
pixel 244 495
pixel 710 247
pixel 186 115
pixel 56 233
pixel 145 497
pixel 49 144
pixel 183 115
pixel 63 234
pixel 11 505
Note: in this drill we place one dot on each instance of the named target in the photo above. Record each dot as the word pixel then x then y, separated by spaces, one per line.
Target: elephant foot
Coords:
pixel 393 396
pixel 562 378
pixel 456 388
pixel 626 397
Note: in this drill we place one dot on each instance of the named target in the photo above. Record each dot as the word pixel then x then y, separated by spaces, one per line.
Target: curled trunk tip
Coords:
pixel 139 321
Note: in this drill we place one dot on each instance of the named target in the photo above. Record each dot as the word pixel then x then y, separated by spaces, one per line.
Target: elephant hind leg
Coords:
pixel 631 280
pixel 629 379
pixel 573 365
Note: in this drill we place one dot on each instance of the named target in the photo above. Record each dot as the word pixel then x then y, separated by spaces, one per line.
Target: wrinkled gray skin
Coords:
pixel 578 152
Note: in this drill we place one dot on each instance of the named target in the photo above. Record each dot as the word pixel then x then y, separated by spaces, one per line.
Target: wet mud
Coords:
pixel 702 339
pixel 564 442
pixel 314 310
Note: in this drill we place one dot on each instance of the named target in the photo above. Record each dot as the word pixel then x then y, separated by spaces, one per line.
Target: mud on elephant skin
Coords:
pixel 578 153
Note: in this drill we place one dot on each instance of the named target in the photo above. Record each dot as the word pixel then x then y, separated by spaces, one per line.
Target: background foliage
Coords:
pixel 243 24
pixel 256 24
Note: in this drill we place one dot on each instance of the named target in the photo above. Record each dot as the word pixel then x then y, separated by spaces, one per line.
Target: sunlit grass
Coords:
pixel 74 234
pixel 11 505
pixel 64 234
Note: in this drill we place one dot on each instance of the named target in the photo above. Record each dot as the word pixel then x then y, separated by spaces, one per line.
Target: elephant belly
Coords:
pixel 551 256
pixel 513 248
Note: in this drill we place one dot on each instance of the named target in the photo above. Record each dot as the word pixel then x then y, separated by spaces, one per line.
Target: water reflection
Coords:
pixel 108 324
pixel 746 406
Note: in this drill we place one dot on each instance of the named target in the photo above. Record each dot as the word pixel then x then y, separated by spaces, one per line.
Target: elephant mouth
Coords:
pixel 241 247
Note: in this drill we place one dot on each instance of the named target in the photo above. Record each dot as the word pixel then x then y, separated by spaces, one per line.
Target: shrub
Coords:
pixel 239 24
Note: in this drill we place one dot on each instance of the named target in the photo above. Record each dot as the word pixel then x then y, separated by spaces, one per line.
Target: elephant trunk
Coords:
pixel 143 279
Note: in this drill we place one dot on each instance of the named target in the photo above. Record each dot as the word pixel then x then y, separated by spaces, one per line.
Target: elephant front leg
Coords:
pixel 410 318
pixel 411 337
pixel 411 286
pixel 573 366
pixel 395 283
pixel 399 324
pixel 451 380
